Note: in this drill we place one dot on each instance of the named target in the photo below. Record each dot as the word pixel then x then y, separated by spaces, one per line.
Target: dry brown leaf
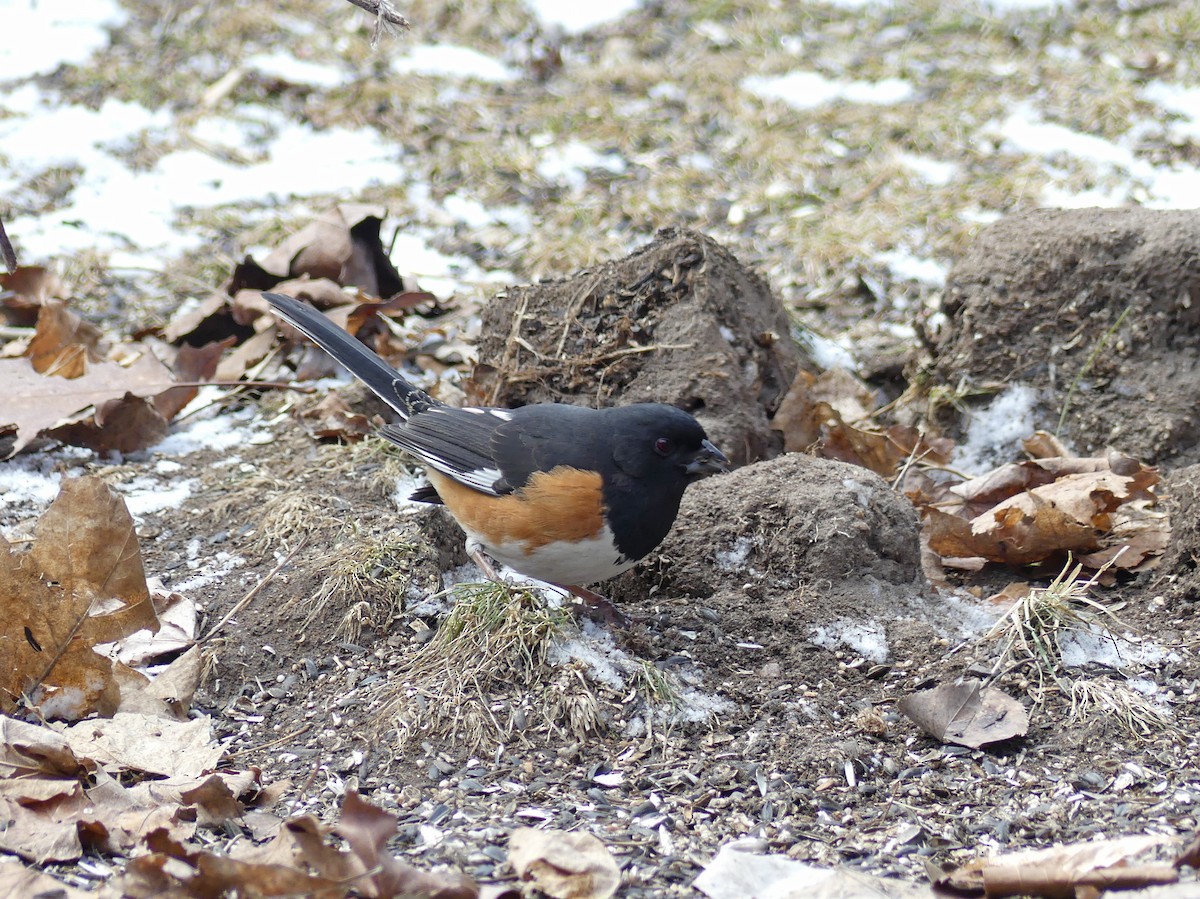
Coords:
pixel 966 715
pixel 819 414
pixel 63 344
pixel 367 829
pixel 37 403
pixel 332 419
pixel 31 750
pixel 18 880
pixel 133 742
pixel 1058 872
pixel 564 865
pixel 192 365
pixel 25 290
pixel 342 245
pixel 80 584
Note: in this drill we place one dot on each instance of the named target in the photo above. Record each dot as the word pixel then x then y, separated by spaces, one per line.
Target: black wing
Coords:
pixel 456 442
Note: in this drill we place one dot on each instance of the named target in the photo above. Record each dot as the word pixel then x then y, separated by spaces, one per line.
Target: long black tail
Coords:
pixel 384 380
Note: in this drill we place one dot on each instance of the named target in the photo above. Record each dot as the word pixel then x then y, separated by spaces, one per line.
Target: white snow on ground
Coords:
pixel 933 171
pixel 996 430
pixel 906 266
pixel 208 570
pixel 139 208
pixel 41 36
pixel 216 430
pixel 286 67
pixel 575 16
pixel 30 482
pixel 867 638
pixel 570 161
pixel 608 664
pixel 808 90
pixel 146 495
pixel 1132 179
pixel 1080 647
pixel 452 61
pixel 825 351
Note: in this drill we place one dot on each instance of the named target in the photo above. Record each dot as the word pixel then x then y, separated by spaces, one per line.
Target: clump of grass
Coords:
pixel 1033 632
pixel 1037 623
pixel 486 673
pixel 367 574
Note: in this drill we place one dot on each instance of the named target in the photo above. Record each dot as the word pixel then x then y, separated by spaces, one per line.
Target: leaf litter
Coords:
pixel 884 450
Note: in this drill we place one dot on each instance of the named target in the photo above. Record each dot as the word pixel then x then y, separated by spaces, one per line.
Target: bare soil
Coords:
pixel 773 632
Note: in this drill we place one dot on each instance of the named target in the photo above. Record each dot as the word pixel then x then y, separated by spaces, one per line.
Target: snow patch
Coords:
pixel 808 90
pixel 867 638
pixel 452 61
pixel 995 431
pixel 574 17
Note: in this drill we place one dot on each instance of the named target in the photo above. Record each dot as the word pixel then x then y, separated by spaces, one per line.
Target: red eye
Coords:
pixel 664 446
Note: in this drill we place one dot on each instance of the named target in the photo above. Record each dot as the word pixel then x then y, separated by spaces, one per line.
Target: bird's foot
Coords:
pixel 596 607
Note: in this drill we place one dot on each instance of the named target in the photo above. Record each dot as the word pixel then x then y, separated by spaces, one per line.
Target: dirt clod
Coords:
pixel 789 537
pixel 1039 298
pixel 679 321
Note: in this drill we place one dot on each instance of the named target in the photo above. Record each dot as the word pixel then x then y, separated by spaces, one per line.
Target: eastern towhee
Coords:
pixel 564 494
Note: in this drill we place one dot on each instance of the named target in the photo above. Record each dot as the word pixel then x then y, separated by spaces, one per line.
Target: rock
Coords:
pixel 721 342
pixel 1036 298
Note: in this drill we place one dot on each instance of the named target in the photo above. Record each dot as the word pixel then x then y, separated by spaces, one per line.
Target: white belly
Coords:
pixel 566 564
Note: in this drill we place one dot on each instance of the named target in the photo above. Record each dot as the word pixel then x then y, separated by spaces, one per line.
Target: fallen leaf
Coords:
pixel 367 830
pixel 63 343
pixel 331 418
pixel 81 583
pixel 562 864
pixel 24 291
pixel 1060 872
pixel 966 715
pixel 36 403
pixel 738 874
pixel 154 745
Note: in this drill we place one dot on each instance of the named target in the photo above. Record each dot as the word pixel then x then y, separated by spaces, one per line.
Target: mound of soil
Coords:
pixel 680 321
pixel 775 551
pixel 1038 298
pixel 1179 571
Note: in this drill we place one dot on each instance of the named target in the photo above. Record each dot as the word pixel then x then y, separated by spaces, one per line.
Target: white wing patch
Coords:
pixel 495 413
pixel 483 479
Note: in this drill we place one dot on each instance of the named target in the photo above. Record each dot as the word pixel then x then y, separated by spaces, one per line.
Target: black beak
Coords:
pixel 709 460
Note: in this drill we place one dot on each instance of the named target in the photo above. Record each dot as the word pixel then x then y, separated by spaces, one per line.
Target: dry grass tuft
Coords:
pixel 368 575
pixel 1033 632
pixel 485 675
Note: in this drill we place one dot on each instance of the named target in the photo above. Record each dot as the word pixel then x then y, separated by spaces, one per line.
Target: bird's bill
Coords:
pixel 709 460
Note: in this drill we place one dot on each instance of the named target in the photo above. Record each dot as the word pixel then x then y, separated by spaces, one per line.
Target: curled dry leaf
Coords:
pixel 1063 872
pixel 342 245
pixel 820 414
pixel 564 865
pixel 25 290
pixel 81 583
pixel 966 715
pixel 332 419
pixel 1101 509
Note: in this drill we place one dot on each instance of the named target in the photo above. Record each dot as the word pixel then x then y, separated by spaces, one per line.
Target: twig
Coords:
pixel 6 250
pixel 270 743
pixel 249 597
pixel 383 11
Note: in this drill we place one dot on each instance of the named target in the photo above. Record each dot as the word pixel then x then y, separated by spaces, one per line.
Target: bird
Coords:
pixel 564 494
